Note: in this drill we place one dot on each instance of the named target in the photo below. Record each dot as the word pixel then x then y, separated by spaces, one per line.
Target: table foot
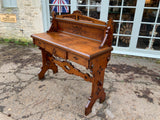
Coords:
pixel 103 97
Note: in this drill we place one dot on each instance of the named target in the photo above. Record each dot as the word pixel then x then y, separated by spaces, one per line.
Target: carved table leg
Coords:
pixel 97 90
pixel 46 64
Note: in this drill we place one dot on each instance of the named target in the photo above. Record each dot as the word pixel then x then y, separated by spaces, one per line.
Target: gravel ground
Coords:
pixel 132 86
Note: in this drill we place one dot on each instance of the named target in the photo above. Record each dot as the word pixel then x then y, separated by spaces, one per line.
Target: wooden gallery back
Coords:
pixel 84 40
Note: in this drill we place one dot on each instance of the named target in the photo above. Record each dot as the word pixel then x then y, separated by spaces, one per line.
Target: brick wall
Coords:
pixel 29 20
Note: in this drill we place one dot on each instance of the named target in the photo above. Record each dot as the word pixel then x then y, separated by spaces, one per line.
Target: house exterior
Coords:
pixel 137 22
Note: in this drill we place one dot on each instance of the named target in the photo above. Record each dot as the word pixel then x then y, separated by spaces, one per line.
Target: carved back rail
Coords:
pixel 83 26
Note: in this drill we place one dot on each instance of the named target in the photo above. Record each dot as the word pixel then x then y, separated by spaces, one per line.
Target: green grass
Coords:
pixel 23 42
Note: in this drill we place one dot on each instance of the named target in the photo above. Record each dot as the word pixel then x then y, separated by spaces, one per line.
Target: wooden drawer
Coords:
pixel 55 51
pixel 39 43
pixel 59 53
pixel 78 59
pixel 51 49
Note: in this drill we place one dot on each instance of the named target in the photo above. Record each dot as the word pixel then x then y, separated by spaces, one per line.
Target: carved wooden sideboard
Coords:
pixel 81 39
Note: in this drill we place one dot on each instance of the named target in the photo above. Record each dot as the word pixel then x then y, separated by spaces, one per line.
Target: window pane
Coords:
pixel 115 2
pixel 126 28
pixel 124 41
pixel 94 12
pixel 143 43
pixel 146 30
pixel 130 2
pixel 95 2
pixel 116 25
pixel 158 21
pixel 149 15
pixel 151 3
pixel 114 13
pixel 65 9
pixel 114 40
pixel 156 44
pixel 128 14
pixel 83 10
pixel 62 2
pixel 157 31
pixel 82 2
pixel 60 9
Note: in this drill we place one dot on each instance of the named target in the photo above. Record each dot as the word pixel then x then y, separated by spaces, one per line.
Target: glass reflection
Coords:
pixel 158 31
pixel 130 2
pixel 116 25
pixel 156 44
pixel 143 43
pixel 83 10
pixel 95 2
pixel 94 12
pixel 149 15
pixel 128 14
pixel 124 41
pixel 114 13
pixel 114 40
pixel 146 30
pixel 115 2
pixel 126 28
pixel 158 21
pixel 62 2
pixel 151 3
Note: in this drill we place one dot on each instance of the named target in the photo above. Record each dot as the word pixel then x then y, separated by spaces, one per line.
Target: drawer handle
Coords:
pixel 75 58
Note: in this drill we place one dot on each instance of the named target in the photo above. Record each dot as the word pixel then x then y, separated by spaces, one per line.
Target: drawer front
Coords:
pixel 59 53
pixel 78 59
pixel 55 51
pixel 51 49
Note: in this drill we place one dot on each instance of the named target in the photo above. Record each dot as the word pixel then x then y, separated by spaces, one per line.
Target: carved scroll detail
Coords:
pixel 69 68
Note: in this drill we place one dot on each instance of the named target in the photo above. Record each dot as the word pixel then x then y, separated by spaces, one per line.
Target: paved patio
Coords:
pixel 132 86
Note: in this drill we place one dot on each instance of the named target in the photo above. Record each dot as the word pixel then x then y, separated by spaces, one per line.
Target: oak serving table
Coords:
pixel 81 39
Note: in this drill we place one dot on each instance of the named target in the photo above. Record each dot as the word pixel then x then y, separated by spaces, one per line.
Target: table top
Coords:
pixel 76 44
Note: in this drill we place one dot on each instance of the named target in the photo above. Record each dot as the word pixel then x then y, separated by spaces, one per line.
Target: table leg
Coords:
pixel 47 64
pixel 97 90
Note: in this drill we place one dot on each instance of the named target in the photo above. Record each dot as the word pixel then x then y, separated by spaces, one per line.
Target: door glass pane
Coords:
pixel 157 31
pixel 156 44
pixel 114 13
pixel 94 12
pixel 146 30
pixel 95 2
pixel 126 28
pixel 82 2
pixel 124 41
pixel 149 15
pixel 115 2
pixel 114 40
pixel 65 9
pixel 143 43
pixel 59 6
pixel 158 21
pixel 116 24
pixel 57 2
pixel 151 3
pixel 83 10
pixel 130 2
pixel 59 9
pixel 128 14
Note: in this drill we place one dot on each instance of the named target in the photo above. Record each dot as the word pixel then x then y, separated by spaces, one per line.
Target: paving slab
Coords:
pixel 132 86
